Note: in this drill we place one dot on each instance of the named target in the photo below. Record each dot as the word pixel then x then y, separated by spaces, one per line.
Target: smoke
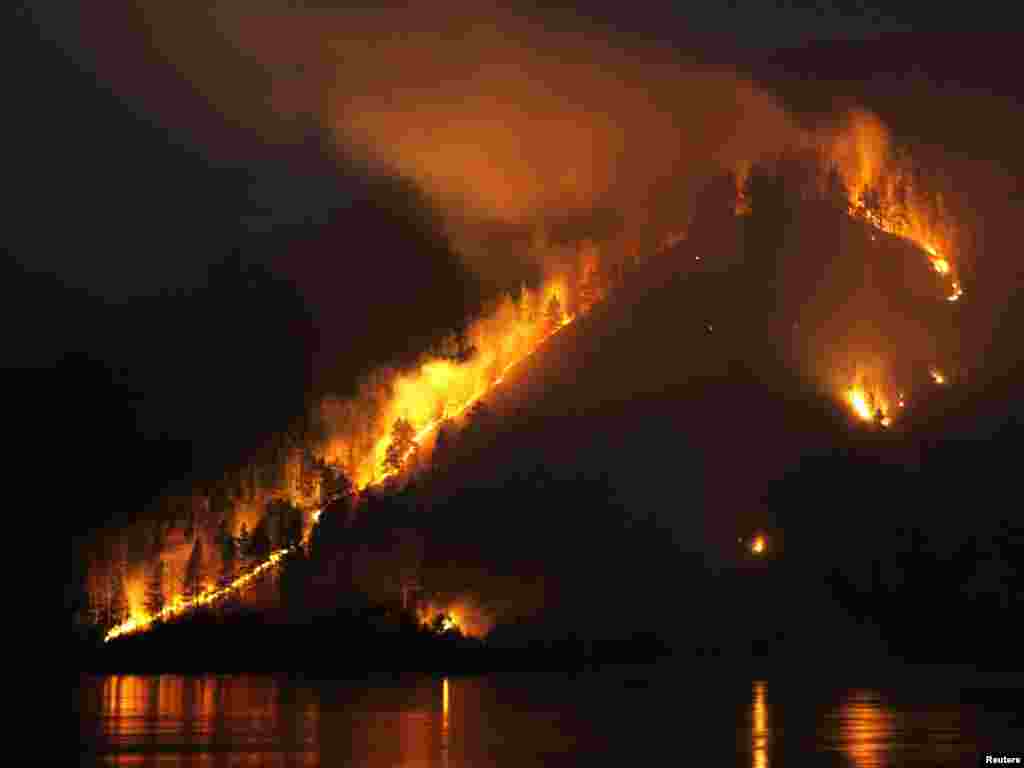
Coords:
pixel 508 122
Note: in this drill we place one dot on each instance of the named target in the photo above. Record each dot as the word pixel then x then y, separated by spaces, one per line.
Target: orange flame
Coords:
pixel 433 379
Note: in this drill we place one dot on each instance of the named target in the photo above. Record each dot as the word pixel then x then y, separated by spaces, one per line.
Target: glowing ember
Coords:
pixel 758 545
pixel 937 376
pixel 941 266
pixel 957 292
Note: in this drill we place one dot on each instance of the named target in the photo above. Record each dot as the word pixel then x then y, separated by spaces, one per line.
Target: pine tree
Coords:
pixel 401 447
pixel 442 445
pixel 118 606
pixel 553 315
pixel 228 556
pixel 260 546
pixel 155 599
pixel 836 193
pixel 334 484
pixel 244 547
pixel 192 584
pixel 527 306
pixel 591 289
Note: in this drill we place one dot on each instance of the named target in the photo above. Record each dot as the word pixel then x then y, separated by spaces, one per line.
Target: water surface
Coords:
pixel 644 716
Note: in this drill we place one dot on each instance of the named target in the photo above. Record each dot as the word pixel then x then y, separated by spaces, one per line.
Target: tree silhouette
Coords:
pixel 155 598
pixel 192 583
pixel 260 546
pixel 402 445
pixel 118 605
pixel 228 556
pixel 591 289
pixel 442 445
pixel 244 548
pixel 836 193
pixel 872 206
pixel 553 315
pixel 334 484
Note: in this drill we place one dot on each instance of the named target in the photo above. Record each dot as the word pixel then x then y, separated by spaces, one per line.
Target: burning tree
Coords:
pixel 591 288
pixel 192 583
pixel 260 545
pixel 117 606
pixel 243 547
pixel 403 445
pixel 553 315
pixel 155 597
pixel 228 555
pixel 334 484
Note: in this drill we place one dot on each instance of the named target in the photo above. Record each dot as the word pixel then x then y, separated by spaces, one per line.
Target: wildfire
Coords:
pixel 180 605
pixel 461 615
pixel 868 408
pixel 454 412
pixel 455 406
pixel 858 400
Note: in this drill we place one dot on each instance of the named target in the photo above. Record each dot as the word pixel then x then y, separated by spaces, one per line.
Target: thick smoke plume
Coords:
pixel 510 124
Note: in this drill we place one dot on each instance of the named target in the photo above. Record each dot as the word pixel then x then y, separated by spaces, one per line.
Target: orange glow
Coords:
pixel 865 730
pixel 869 407
pixel 438 390
pixel 758 545
pixel 858 400
pixel 179 606
pixel 863 156
pixel 461 614
pixel 885 192
pixel 937 376
pixel 759 734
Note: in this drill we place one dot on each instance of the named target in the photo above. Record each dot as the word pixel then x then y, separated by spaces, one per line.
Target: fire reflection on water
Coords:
pixel 865 730
pixel 759 726
pixel 444 721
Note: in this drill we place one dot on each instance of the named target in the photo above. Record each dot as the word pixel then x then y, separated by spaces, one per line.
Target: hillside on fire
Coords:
pixel 585 466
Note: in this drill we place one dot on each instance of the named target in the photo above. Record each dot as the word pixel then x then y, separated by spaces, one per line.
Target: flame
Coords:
pixel 457 387
pixel 454 411
pixel 461 614
pixel 760 735
pixel 179 606
pixel 885 192
pixel 870 407
pixel 440 388
pixel 937 376
pixel 758 545
pixel 858 400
